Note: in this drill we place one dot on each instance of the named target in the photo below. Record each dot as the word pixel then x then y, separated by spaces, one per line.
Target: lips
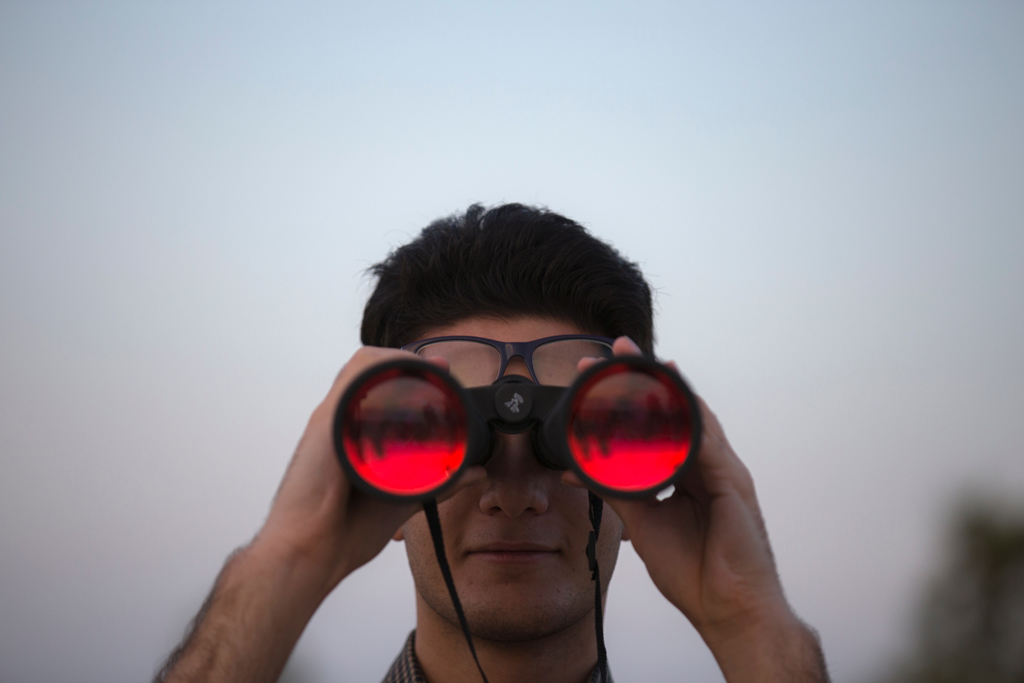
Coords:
pixel 513 552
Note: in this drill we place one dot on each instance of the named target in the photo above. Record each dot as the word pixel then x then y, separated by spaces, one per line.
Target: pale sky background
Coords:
pixel 828 199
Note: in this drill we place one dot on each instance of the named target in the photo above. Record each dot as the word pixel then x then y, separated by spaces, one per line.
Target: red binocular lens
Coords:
pixel 627 426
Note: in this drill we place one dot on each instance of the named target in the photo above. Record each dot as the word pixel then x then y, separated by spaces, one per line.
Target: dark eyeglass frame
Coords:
pixel 510 350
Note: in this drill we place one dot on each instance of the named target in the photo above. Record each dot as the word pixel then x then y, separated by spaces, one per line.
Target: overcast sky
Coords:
pixel 828 200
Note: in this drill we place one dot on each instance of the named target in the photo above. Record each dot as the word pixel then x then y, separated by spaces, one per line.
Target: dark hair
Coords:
pixel 507 261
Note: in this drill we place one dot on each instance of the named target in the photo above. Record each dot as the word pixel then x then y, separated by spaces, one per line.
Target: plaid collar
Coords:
pixel 407 670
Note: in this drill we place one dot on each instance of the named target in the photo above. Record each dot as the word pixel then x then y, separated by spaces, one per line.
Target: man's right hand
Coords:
pixel 319 530
pixel 318 517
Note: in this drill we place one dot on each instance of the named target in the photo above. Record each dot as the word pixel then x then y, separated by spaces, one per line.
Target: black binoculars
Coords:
pixel 627 426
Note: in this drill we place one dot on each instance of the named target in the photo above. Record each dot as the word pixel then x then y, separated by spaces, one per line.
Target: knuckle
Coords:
pixel 745 481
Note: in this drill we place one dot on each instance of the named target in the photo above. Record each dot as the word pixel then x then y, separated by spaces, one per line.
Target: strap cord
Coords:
pixel 434 522
pixel 595 511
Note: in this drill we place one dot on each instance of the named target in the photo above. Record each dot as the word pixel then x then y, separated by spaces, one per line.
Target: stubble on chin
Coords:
pixel 509 620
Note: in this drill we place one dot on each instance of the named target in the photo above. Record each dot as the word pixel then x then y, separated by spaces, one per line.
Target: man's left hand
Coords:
pixel 706 548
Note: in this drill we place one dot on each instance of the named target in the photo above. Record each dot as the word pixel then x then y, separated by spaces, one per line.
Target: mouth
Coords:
pixel 505 552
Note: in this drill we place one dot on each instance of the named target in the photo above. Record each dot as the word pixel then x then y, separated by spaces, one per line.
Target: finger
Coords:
pixel 363 359
pixel 635 514
pixel 570 478
pixel 720 468
pixel 384 518
pixel 692 484
pixel 710 419
pixel 624 346
pixel 440 361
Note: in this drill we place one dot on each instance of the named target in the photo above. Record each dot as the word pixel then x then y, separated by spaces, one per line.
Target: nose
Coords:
pixel 517 366
pixel 516 482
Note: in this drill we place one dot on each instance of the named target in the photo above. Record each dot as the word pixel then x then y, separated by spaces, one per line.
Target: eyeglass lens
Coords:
pixel 555 362
pixel 473 364
pixel 476 364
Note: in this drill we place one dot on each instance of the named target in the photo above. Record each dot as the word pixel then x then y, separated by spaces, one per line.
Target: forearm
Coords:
pixel 776 649
pixel 259 605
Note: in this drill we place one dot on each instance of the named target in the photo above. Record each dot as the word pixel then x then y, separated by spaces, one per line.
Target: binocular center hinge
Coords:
pixel 513 402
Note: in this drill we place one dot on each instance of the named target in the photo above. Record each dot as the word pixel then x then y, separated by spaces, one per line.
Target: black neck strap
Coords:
pixel 596 509
pixel 434 522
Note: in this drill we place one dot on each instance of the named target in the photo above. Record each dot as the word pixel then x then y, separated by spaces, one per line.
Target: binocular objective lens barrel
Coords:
pixel 404 431
pixel 629 428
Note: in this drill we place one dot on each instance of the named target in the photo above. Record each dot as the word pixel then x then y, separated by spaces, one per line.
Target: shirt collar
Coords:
pixel 406 669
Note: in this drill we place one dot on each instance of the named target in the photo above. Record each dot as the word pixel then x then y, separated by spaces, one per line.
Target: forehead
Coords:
pixel 526 328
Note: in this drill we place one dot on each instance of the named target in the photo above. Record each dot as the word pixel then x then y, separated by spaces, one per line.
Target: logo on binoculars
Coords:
pixel 514 404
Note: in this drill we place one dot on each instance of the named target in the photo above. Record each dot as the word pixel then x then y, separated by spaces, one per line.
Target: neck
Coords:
pixel 441 649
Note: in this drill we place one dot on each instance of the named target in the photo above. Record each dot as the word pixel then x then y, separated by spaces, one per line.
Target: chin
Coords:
pixel 522 622
pixel 523 611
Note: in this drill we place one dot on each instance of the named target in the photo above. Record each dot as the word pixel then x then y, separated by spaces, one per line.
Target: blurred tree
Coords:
pixel 970 626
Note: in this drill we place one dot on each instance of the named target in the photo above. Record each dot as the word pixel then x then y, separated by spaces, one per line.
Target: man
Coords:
pixel 515 532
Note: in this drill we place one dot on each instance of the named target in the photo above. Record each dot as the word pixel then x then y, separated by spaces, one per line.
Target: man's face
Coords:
pixel 516 541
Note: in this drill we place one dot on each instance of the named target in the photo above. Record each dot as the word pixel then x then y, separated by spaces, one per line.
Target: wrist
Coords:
pixel 246 629
pixel 767 644
pixel 302 572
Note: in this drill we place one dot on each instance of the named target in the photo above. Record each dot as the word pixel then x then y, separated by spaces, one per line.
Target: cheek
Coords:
pixel 574 504
pixel 419 550
pixel 416 535
pixel 453 512
pixel 609 541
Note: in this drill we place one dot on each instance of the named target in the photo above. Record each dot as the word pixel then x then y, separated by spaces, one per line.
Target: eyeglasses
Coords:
pixel 476 361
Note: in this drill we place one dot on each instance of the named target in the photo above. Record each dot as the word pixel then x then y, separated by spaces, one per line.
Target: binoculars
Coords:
pixel 627 426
